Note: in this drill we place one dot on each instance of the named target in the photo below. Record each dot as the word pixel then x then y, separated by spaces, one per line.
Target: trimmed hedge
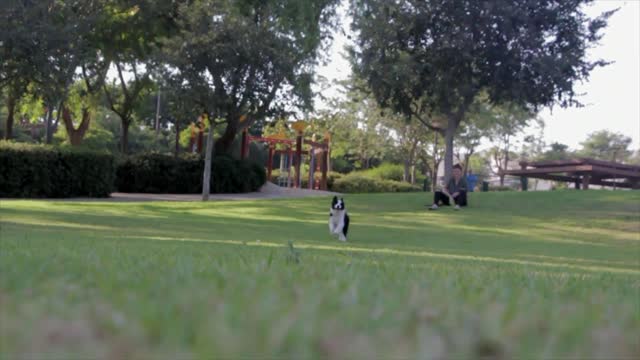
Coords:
pixel 39 171
pixel 356 183
pixel 164 174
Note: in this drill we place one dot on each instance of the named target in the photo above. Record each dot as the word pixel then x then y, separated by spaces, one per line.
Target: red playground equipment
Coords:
pixel 292 156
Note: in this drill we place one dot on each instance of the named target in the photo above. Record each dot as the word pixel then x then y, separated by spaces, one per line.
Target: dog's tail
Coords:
pixel 345 229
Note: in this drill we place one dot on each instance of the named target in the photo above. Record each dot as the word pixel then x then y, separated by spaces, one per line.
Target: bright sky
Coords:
pixel 611 96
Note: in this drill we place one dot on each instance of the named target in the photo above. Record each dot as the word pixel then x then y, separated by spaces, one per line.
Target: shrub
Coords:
pixel 157 173
pixel 386 171
pixel 36 171
pixel 341 165
pixel 356 183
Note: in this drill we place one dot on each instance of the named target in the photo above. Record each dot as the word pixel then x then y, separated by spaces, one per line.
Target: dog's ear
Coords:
pixel 335 198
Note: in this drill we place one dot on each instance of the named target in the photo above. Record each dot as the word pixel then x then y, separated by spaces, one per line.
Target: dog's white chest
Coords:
pixel 337 216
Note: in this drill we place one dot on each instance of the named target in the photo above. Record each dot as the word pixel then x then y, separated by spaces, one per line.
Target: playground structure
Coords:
pixel 581 172
pixel 293 156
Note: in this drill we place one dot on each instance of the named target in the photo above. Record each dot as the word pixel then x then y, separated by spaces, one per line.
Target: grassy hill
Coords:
pixel 553 274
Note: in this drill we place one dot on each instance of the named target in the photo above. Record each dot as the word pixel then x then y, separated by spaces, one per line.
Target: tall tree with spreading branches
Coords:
pixel 437 56
pixel 248 60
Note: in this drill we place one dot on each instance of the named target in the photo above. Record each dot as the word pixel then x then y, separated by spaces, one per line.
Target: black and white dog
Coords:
pixel 338 219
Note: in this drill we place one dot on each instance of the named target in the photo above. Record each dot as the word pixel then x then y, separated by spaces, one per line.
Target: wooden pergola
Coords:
pixel 318 155
pixel 582 172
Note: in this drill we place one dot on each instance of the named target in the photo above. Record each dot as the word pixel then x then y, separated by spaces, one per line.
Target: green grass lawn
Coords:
pixel 516 275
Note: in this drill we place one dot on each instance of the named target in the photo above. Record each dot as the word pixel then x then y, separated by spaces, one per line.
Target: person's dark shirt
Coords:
pixel 454 187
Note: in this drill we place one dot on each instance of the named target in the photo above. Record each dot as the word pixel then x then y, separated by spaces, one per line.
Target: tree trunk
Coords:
pixel 413 175
pixel 206 177
pixel 58 114
pixel 409 173
pixel 467 156
pixel 124 136
pixel 157 124
pixel 8 126
pixel 434 171
pixel 48 137
pixel 448 142
pixel 76 135
pixel 505 165
pixel 49 125
pixel 434 174
pixel 407 169
pixel 225 142
pixel 177 150
pixel 426 171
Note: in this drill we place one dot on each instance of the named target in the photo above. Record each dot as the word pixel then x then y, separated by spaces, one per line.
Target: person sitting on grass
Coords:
pixel 455 191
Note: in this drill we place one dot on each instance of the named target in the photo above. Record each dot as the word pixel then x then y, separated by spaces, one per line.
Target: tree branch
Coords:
pixel 123 84
pixel 112 104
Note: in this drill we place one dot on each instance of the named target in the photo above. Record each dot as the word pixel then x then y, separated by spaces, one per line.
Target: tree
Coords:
pixel 606 145
pixel 410 137
pixel 466 143
pixel 45 50
pixel 533 145
pixel 431 155
pixel 22 26
pixel 78 105
pixel 483 120
pixel 436 57
pixel 123 97
pixel 635 158
pixel 132 81
pixel 407 138
pixel 556 151
pixel 360 128
pixel 509 122
pixel 131 32
pixel 248 60
pixel 178 108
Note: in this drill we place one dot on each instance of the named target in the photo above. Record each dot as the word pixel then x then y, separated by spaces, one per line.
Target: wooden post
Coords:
pixel 577 184
pixel 312 167
pixel 289 166
pixel 244 148
pixel 298 159
pixel 324 166
pixel 586 178
pixel 270 162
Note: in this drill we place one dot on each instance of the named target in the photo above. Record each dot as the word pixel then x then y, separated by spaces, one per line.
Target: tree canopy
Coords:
pixel 440 55
pixel 606 145
pixel 247 60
